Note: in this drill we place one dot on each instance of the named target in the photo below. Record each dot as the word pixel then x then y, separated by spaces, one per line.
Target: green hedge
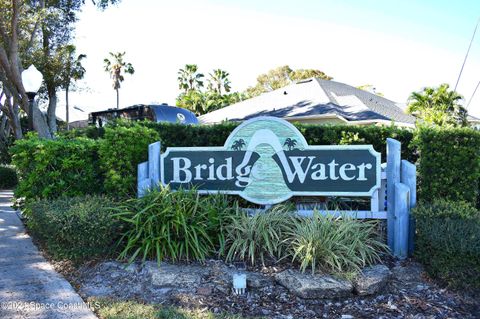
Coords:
pixel 177 135
pixel 8 177
pixel 448 242
pixel 51 168
pixel 216 135
pixel 78 228
pixel 449 165
pixel 121 150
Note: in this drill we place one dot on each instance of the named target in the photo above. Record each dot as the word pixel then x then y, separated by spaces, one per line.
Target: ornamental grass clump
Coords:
pixel 335 244
pixel 253 238
pixel 180 225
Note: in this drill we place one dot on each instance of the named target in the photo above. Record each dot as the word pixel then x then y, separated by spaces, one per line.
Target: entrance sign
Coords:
pixel 267 160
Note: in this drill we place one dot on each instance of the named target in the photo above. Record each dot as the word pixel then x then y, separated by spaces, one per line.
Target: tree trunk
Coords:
pixel 52 108
pixel 40 123
pixel 15 123
pixel 118 99
pixel 67 116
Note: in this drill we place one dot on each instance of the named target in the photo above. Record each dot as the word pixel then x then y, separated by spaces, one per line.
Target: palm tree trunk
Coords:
pixel 118 99
pixel 67 116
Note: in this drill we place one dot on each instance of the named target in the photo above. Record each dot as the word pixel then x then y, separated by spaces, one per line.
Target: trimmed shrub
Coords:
pixel 179 225
pixel 79 228
pixel 121 150
pixel 338 244
pixel 216 135
pixel 250 238
pixel 177 135
pixel 449 165
pixel 448 242
pixel 8 177
pixel 53 168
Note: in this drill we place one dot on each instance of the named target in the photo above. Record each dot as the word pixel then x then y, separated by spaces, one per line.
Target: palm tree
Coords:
pixel 116 68
pixel 73 70
pixel 290 143
pixel 219 81
pixel 189 79
pixel 438 106
pixel 238 145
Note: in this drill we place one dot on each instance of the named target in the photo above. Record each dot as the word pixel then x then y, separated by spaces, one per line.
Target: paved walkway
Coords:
pixel 29 286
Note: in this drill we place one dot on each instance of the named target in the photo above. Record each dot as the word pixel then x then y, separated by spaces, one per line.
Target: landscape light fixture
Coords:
pixel 239 283
pixel 32 80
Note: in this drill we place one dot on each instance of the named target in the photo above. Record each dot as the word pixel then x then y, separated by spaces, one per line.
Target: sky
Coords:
pixel 396 46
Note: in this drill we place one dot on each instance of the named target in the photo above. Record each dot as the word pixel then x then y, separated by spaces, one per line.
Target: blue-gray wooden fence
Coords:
pixel 398 194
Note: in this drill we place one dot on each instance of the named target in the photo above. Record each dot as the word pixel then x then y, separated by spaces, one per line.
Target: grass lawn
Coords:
pixel 111 309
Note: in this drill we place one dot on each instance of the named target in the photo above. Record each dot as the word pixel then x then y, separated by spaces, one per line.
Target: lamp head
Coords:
pixel 32 79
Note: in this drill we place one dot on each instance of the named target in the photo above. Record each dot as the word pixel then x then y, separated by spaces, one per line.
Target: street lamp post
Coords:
pixel 32 80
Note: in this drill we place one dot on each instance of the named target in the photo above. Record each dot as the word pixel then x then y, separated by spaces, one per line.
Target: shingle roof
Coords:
pixel 311 98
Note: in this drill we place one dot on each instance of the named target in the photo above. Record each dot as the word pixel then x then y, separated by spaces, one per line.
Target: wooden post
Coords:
pixel 402 208
pixel 154 164
pixel 393 177
pixel 374 201
pixel 409 178
pixel 143 182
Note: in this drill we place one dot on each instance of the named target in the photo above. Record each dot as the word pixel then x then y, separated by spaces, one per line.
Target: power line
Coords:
pixel 466 56
pixel 471 98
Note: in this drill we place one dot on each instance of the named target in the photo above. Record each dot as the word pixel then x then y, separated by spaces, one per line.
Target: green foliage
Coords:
pixel 251 238
pixel 189 79
pixel 448 242
pixel 121 150
pixel 90 131
pixel 443 208
pixel 335 244
pixel 8 177
pixel 53 168
pixel 200 101
pixel 218 81
pixel 179 225
pixel 449 164
pixel 283 76
pixel 438 106
pixel 78 228
pixel 5 157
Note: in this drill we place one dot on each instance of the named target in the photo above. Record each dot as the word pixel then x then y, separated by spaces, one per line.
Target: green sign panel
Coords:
pixel 266 160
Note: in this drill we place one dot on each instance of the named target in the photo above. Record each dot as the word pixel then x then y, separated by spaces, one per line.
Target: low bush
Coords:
pixel 265 234
pixel 121 150
pixel 179 225
pixel 8 177
pixel 78 228
pixel 48 169
pixel 448 242
pixel 338 244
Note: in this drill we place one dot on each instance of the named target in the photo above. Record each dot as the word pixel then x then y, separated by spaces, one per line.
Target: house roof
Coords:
pixel 314 98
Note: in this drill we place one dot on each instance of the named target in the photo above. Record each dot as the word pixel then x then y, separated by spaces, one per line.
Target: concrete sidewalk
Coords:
pixel 29 286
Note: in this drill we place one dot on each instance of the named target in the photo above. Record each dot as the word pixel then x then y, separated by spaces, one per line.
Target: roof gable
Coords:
pixel 313 98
